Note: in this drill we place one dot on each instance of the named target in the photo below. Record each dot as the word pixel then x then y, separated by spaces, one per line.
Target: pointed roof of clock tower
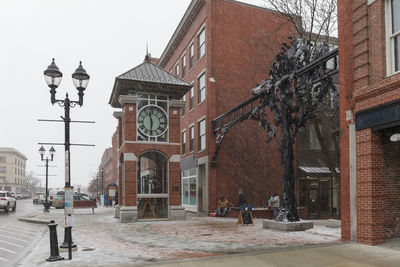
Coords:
pixel 148 78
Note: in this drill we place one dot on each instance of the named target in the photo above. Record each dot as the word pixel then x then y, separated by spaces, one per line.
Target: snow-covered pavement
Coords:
pixel 102 240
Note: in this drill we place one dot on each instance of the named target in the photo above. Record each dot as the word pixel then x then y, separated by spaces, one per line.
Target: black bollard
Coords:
pixel 70 248
pixel 54 254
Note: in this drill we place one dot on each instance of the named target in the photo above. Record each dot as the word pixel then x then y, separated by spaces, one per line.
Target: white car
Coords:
pixel 7 201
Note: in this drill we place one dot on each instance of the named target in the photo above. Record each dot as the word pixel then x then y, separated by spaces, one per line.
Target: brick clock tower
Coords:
pixel 149 184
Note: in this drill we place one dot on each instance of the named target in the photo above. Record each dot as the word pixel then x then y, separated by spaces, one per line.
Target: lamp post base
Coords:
pixel 67 237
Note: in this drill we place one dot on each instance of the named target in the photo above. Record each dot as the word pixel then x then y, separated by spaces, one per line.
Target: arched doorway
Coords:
pixel 152 185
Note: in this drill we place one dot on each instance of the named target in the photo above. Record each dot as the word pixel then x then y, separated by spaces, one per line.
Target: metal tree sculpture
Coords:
pixel 289 98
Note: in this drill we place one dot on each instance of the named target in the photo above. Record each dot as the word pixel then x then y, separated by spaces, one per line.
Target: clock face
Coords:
pixel 152 121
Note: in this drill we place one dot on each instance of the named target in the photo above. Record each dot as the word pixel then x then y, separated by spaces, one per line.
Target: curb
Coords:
pixel 33 221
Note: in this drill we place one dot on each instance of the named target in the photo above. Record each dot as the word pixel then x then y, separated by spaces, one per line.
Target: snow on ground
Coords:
pixel 102 240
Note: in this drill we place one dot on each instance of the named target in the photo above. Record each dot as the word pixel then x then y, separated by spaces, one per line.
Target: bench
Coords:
pixel 84 204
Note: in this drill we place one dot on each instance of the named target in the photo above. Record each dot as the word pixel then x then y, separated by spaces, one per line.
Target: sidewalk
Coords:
pixel 198 241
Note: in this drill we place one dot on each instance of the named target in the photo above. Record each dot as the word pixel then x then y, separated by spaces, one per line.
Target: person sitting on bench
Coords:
pixel 222 207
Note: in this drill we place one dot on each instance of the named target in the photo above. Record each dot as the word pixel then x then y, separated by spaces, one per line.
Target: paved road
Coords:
pixel 17 238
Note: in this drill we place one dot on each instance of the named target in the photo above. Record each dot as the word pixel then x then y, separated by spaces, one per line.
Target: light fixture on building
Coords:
pixel 395 137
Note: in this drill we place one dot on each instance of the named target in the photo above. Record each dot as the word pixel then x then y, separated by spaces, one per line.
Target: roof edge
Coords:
pixel 188 17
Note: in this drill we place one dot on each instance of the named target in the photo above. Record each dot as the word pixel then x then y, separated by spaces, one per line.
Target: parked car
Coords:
pixel 7 201
pixel 58 202
pixel 36 197
pixel 18 196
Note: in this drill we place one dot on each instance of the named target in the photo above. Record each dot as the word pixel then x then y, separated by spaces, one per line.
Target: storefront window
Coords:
pixel 321 196
pixel 189 187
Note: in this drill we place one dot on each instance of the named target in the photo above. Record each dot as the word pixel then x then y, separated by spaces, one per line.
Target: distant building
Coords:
pixel 12 170
pixel 107 172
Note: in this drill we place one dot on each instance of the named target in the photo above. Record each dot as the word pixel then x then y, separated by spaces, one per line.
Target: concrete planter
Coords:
pixel 288 226
pixel 177 213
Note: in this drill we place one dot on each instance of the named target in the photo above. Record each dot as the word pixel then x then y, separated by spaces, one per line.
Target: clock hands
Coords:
pixel 151 120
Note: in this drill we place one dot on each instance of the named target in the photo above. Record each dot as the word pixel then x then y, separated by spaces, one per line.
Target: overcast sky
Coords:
pixel 109 37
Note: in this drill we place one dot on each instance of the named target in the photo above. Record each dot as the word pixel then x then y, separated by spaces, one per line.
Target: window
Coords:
pixel 3 159
pixel 191 55
pixel 177 69
pixel 189 192
pixel 202 135
pixel 202 87
pixel 183 66
pixel 314 143
pixel 191 99
pixel 201 38
pixel 183 142
pixel 393 35
pixel 191 141
pixel 184 105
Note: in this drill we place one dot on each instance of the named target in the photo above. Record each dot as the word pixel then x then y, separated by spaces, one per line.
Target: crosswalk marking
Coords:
pixel 12 244
pixel 7 250
pixel 3 259
pixel 4 225
pixel 15 233
pixel 14 238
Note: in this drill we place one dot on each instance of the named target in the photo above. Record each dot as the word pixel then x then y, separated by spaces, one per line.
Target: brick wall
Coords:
pixel 234 34
pixel 392 190
pixel 370 188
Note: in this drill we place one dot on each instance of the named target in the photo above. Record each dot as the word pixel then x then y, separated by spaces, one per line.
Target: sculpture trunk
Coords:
pixel 289 200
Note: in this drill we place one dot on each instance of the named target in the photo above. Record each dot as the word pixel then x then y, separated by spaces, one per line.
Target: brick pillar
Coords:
pixel 129 120
pixel 174 183
pixel 130 183
pixel 120 186
pixel 370 188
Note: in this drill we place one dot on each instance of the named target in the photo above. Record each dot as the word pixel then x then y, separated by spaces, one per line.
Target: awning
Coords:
pixel 317 169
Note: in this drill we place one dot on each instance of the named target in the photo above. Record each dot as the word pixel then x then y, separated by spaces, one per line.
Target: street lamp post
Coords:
pixel 42 152
pixel 53 78
pixel 102 181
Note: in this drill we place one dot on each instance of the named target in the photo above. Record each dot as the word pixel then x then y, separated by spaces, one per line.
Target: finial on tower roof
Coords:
pixel 147 58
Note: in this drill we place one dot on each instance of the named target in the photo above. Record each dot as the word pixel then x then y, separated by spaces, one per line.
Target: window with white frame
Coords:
pixel 191 56
pixel 3 169
pixel 202 135
pixel 189 187
pixel 393 36
pixel 191 140
pixel 177 69
pixel 184 105
pixel 202 88
pixel 3 159
pixel 183 66
pixel 183 142
pixel 191 98
pixel 201 38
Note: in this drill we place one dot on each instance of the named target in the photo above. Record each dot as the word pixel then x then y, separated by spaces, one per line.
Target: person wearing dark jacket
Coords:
pixel 242 200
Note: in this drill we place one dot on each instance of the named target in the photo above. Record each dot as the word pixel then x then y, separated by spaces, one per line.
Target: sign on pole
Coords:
pixel 67 167
pixel 69 206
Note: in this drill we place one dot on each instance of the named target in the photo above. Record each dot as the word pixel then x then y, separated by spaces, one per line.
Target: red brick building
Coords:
pixel 369 51
pixel 107 173
pixel 148 144
pixel 216 48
